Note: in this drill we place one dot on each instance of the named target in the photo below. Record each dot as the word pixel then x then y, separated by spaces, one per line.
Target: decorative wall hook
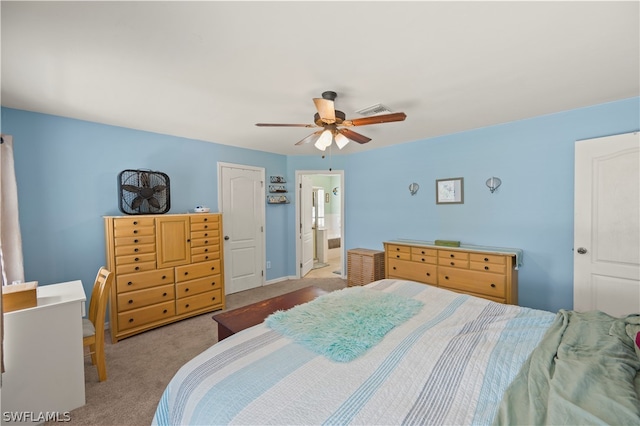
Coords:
pixel 493 183
pixel 413 188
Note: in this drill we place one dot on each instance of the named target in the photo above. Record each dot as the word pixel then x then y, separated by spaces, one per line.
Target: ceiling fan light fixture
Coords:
pixel 324 141
pixel 341 140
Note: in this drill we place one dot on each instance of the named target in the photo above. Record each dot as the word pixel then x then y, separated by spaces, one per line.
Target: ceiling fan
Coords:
pixel 334 123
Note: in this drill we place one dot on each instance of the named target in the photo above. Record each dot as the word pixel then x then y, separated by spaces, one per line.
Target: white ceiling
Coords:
pixel 210 70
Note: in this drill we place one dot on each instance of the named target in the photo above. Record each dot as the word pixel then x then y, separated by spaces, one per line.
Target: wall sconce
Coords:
pixel 413 188
pixel 493 183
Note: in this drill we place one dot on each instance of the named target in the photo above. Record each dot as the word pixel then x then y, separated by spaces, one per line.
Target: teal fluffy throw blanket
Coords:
pixel 344 324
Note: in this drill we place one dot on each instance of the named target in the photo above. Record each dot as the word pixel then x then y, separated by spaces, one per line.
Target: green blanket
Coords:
pixel 582 372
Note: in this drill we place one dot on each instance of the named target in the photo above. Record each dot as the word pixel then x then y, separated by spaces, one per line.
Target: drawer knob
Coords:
pixel 186 289
pixel 213 298
pixel 486 259
pixel 164 277
pixel 493 285
pixel 398 256
pixel 135 241
pixel 135 222
pixel 397 248
pixel 130 319
pixel 394 268
pixel 446 277
pixel 135 231
pixel 422 252
pixel 423 259
pixel 453 263
pixel 206 242
pixel 206 257
pixel 165 311
pixel 186 306
pixel 137 268
pixel 486 268
pixel 428 274
pixel 164 294
pixel 206 226
pixel 206 235
pixel 213 268
pixel 136 250
pixel 205 219
pixel 213 283
pixel 130 301
pixel 130 283
pixel 206 250
pixel 137 259
pixel 186 273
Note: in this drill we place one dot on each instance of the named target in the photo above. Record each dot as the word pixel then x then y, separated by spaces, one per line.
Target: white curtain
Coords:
pixel 11 264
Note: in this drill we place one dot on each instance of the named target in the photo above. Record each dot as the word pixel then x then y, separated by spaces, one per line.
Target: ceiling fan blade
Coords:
pixel 376 119
pixel 356 137
pixel 326 109
pixel 311 138
pixel 284 125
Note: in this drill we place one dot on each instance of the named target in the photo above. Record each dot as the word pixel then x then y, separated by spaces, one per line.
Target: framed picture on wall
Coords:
pixel 450 191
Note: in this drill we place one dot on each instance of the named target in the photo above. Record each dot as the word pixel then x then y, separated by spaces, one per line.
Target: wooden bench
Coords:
pixel 235 320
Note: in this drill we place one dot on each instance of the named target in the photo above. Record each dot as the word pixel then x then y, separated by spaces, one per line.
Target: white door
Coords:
pixel 607 225
pixel 306 224
pixel 242 200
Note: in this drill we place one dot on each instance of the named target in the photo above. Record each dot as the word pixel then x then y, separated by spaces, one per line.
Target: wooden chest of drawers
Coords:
pixel 167 267
pixel 484 272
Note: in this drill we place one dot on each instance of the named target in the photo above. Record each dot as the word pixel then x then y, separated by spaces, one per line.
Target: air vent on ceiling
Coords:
pixel 374 110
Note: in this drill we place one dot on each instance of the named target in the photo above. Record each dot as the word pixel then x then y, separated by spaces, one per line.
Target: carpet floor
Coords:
pixel 141 366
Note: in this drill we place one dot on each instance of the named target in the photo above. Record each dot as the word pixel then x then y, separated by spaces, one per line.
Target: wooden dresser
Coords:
pixel 167 268
pixel 488 272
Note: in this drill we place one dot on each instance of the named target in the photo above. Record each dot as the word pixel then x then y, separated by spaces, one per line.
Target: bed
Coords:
pixel 443 358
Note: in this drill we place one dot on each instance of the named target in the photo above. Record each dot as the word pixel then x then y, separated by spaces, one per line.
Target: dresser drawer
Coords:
pixel 130 268
pixel 204 226
pixel 213 233
pixel 199 242
pixel 421 251
pixel 206 218
pixel 198 270
pixel 141 316
pixel 453 255
pixel 200 285
pixel 136 258
pixel 134 231
pixel 123 250
pixel 488 258
pixel 195 258
pixel 485 283
pixel 140 298
pixel 131 282
pixel 398 252
pixel 199 301
pixel 136 240
pixel 415 271
pixel 210 249
pixel 488 267
pixel 132 222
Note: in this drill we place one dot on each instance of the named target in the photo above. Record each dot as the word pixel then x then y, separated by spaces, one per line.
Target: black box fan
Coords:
pixel 143 192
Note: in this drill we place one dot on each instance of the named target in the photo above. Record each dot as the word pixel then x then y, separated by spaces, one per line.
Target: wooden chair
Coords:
pixel 93 326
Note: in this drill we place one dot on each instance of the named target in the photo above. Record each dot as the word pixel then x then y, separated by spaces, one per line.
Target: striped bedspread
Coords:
pixel 449 364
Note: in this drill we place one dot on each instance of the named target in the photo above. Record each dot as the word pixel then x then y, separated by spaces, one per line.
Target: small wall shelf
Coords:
pixel 277 187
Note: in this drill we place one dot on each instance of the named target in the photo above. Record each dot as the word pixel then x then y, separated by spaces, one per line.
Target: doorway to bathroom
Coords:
pixel 320 234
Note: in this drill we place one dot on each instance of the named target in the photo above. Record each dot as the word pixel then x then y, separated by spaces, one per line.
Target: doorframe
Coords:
pixel 262 170
pixel 299 174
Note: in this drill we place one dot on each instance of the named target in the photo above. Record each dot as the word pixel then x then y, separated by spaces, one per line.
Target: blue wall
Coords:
pixel 67 180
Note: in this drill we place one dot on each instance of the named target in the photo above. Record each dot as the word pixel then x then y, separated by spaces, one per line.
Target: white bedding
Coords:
pixel 449 364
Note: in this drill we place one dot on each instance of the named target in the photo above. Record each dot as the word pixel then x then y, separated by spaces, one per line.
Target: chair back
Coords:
pixel 99 299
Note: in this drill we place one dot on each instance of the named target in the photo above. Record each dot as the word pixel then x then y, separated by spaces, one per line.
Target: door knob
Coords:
pixel 226 237
pixel 582 250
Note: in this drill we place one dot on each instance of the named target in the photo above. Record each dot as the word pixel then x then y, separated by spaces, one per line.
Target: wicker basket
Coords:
pixel 364 266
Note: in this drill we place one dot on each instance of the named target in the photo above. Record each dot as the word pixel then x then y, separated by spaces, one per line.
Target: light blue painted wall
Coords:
pixel 67 169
